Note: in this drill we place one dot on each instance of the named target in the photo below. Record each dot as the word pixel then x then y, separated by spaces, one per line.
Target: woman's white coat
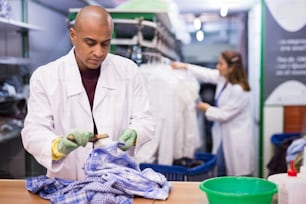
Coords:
pixel 232 122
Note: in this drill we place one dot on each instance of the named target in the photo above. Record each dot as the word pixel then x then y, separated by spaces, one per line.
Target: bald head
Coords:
pixel 94 14
pixel 91 36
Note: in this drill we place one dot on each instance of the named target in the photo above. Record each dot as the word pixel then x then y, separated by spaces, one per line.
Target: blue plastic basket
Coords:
pixel 180 173
pixel 278 139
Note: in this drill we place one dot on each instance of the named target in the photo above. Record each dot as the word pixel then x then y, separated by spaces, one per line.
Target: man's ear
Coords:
pixel 72 35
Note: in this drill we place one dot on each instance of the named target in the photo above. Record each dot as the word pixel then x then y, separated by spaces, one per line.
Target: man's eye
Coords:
pixel 105 44
pixel 90 42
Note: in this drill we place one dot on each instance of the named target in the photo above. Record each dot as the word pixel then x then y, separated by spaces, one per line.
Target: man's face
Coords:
pixel 92 44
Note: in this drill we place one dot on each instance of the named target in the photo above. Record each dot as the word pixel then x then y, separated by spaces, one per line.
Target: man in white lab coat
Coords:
pixel 89 91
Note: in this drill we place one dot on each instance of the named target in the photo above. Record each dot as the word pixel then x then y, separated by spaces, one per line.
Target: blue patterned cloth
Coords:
pixel 112 177
pixel 295 148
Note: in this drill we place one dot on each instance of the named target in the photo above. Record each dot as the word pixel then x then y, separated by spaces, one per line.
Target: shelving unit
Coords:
pixel 14 61
pixel 9 65
pixel 149 30
pixel 13 25
pixel 10 25
pixel 148 35
pixel 14 67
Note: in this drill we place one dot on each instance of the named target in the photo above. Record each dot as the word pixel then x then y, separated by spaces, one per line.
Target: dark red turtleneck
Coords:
pixel 89 80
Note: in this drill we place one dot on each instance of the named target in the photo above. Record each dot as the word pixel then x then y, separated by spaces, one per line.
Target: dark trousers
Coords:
pixel 221 168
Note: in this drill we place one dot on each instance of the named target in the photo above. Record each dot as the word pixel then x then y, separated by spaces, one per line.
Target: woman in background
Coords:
pixel 232 130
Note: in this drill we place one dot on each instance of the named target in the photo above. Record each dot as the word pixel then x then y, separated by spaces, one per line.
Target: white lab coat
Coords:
pixel 58 103
pixel 232 122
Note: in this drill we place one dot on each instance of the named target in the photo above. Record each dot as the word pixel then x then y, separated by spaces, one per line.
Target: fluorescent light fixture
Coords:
pixel 197 23
pixel 223 11
pixel 200 35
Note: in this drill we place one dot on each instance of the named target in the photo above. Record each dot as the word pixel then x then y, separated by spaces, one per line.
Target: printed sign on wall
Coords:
pixel 285 52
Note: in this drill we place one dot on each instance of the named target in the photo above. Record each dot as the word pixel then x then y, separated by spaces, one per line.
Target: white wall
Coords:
pixel 53 41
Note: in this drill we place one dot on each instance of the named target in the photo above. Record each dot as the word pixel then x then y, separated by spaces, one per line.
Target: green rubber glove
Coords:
pixel 73 140
pixel 128 136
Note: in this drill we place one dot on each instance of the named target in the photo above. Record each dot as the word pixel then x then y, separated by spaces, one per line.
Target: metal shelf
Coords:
pixel 145 34
pixel 14 61
pixel 10 25
pixel 7 24
pixel 10 135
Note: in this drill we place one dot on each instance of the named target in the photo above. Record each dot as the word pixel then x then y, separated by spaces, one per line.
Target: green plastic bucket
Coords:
pixel 238 190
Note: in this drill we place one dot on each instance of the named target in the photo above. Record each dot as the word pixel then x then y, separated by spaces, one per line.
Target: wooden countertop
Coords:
pixel 13 191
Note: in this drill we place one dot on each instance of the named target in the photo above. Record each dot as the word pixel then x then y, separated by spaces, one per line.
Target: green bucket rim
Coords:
pixel 209 191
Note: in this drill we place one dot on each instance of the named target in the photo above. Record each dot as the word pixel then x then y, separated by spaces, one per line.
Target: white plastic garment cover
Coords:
pixel 172 94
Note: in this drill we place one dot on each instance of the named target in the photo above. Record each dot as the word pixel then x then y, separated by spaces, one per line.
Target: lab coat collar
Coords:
pixel 108 74
pixel 72 74
pixel 106 82
pixel 74 81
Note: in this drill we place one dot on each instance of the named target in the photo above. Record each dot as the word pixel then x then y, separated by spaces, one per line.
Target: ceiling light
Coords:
pixel 224 11
pixel 200 35
pixel 197 23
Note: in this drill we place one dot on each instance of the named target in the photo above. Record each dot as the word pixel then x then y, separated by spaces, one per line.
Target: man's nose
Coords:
pixel 99 51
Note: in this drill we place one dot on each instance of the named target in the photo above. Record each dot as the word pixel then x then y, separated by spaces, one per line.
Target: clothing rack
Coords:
pixel 153 57
pixel 148 35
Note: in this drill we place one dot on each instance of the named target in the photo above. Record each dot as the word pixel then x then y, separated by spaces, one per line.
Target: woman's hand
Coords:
pixel 179 65
pixel 202 106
